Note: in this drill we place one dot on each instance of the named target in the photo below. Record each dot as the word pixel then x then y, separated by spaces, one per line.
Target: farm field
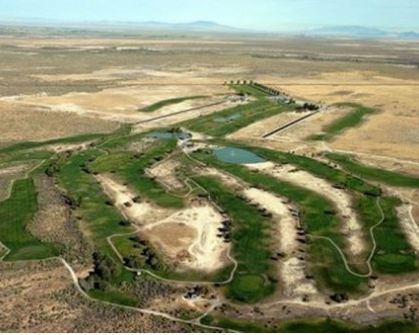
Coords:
pixel 161 184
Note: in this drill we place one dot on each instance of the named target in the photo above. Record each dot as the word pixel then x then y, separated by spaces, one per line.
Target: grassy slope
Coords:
pixel 372 173
pixel 249 244
pixel 250 113
pixel 316 217
pixel 387 235
pixel 99 220
pixel 130 168
pixel 168 102
pixel 15 214
pixel 352 119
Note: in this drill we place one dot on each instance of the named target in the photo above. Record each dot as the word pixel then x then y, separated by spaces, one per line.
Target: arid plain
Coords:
pixel 104 94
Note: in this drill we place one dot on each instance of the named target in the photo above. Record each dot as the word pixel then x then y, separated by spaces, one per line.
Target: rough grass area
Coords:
pixel 15 214
pixel 383 176
pixel 310 326
pixel 248 89
pixel 254 278
pixel 130 168
pixel 247 114
pixel 352 119
pixel 99 219
pixel 168 102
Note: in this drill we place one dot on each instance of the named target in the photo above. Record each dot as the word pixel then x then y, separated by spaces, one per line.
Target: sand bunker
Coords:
pixel 291 268
pixel 166 174
pixel 351 228
pixel 190 238
pixel 409 225
pixel 141 213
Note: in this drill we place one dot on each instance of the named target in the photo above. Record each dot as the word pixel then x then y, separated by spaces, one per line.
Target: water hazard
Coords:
pixel 237 156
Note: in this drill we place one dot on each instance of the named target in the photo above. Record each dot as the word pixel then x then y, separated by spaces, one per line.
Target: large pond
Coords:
pixel 229 118
pixel 167 135
pixel 237 156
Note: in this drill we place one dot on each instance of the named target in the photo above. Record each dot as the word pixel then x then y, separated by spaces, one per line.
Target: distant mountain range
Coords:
pixel 214 27
pixel 359 32
pixel 197 26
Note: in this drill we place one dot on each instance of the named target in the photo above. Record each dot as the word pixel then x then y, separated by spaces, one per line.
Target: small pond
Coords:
pixel 229 118
pixel 167 135
pixel 237 156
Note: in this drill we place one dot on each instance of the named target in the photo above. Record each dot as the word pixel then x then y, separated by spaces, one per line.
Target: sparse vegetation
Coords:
pixel 353 119
pixel 168 102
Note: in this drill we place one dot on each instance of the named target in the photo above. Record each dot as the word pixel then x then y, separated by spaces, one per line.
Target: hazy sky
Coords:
pixel 255 14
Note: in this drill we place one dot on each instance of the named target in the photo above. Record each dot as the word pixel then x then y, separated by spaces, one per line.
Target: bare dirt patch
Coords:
pixel 196 244
pixel 166 174
pixel 40 297
pixel 409 224
pixel 22 123
pixel 8 175
pixel 141 212
pixel 393 132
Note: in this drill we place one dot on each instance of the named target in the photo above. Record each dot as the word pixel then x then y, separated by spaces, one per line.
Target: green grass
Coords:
pixel 130 168
pixel 372 173
pixel 254 278
pixel 395 254
pixel 352 119
pixel 250 113
pixel 15 214
pixel 168 102
pixel 317 168
pixel 317 216
pixel 99 220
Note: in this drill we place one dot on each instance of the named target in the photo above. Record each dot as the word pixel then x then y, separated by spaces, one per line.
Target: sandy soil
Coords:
pixel 291 268
pixel 409 225
pixel 294 135
pixel 166 174
pixel 393 132
pixel 120 102
pixel 141 213
pixel 22 123
pixel 40 297
pixel 352 229
pixel 7 175
pixel 190 237
pixel 200 110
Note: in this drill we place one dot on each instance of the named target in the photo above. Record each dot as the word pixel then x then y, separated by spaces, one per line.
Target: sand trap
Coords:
pixel 141 213
pixel 291 268
pixel 165 172
pixel 196 245
pixel 351 228
pixel 409 225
